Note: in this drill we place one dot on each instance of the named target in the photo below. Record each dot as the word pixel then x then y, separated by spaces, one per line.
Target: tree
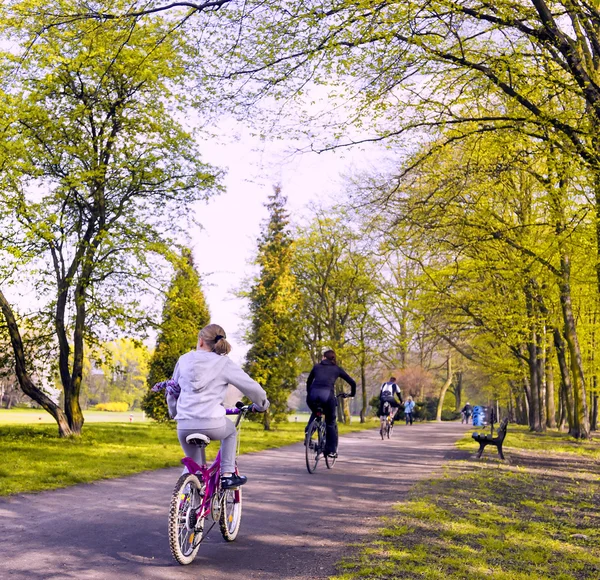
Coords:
pixel 274 330
pixel 337 281
pixel 502 216
pixel 98 175
pixel 185 313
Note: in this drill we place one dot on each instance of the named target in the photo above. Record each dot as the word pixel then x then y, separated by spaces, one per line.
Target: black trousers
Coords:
pixel 327 401
pixel 389 400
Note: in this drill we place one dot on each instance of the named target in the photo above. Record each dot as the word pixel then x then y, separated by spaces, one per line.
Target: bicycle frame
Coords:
pixel 211 474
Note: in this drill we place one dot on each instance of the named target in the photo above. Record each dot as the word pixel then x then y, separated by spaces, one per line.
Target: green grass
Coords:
pixel 534 517
pixel 34 458
pixel 41 417
pixel 519 437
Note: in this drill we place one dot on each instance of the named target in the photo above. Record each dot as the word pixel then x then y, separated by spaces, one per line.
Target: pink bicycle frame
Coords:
pixel 209 474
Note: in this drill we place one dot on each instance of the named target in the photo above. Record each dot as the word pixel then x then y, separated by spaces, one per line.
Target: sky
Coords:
pixel 224 248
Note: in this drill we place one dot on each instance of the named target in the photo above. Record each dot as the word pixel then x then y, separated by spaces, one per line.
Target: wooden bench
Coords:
pixel 497 441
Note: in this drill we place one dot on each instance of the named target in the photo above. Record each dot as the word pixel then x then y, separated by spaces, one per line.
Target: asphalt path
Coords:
pixel 294 525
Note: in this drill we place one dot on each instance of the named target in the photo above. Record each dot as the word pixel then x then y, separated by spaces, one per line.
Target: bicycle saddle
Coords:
pixel 197 439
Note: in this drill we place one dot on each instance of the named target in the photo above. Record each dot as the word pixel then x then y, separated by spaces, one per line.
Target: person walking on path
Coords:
pixel 409 406
pixel 320 393
pixel 203 376
pixel 466 412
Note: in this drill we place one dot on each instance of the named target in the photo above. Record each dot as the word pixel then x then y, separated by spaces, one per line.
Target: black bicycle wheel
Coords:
pixel 312 447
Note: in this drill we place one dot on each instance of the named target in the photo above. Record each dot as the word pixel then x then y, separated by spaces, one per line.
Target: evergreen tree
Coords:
pixel 185 313
pixel 274 330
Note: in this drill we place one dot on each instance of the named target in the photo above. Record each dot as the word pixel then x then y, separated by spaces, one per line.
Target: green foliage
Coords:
pixel 98 172
pixel 449 415
pixel 185 313
pixel 274 332
pixel 115 407
pixel 115 372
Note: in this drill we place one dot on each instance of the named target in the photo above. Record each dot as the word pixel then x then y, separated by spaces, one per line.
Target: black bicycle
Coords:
pixel 387 421
pixel 314 442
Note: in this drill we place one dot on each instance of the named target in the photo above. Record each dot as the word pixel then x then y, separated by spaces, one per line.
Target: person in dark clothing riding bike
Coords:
pixel 320 393
pixel 386 395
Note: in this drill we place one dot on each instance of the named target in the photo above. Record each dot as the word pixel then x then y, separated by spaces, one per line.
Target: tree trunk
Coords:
pixel 581 426
pixel 562 420
pixel 543 401
pixel 550 396
pixel 25 382
pixel 594 405
pixel 267 420
pixel 534 388
pixel 444 388
pixel 458 391
pixel 565 382
pixel 363 386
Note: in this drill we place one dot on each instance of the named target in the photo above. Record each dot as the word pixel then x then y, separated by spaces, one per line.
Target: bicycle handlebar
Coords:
pixel 241 408
pixel 344 395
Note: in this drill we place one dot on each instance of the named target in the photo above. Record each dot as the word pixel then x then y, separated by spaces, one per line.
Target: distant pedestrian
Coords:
pixel 466 412
pixel 409 407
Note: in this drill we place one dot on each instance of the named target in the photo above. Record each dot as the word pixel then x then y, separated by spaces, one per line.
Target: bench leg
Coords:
pixel 500 451
pixel 481 448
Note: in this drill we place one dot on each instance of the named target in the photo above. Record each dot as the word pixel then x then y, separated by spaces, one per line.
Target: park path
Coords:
pixel 294 526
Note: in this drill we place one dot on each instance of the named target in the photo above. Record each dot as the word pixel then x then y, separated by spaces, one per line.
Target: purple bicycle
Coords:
pixel 198 494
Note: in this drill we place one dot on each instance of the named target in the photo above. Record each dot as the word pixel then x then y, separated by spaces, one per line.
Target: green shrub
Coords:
pixel 448 415
pixel 154 404
pixel 116 407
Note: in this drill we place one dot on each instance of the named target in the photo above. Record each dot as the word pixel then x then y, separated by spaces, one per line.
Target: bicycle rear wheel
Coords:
pixel 185 528
pixel 390 428
pixel 231 514
pixel 312 446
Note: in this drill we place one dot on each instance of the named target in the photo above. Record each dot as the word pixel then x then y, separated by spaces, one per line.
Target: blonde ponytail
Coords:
pixel 215 338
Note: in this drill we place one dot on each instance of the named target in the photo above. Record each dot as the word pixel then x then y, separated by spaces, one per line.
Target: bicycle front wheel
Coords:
pixel 185 528
pixel 312 446
pixel 231 514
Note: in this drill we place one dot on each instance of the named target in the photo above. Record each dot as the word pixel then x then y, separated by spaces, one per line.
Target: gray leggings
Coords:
pixel 227 434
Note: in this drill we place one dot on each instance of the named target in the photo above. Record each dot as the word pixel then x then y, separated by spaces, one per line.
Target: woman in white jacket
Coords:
pixel 203 376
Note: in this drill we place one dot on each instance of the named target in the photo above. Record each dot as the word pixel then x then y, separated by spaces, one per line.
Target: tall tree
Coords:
pixel 185 313
pixel 97 177
pixel 337 279
pixel 274 331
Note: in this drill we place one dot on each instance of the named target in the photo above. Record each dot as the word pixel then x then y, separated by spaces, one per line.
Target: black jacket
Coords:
pixel 324 375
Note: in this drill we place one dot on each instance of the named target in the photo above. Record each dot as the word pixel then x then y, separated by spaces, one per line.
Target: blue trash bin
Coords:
pixel 479 416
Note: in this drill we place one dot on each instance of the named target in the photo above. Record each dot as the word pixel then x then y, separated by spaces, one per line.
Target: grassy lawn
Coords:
pixel 40 417
pixel 535 516
pixel 34 458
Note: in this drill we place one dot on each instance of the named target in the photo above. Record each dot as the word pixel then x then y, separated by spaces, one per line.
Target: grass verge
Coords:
pixel 34 458
pixel 536 516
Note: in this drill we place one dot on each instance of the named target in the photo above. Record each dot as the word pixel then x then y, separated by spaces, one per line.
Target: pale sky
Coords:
pixel 224 248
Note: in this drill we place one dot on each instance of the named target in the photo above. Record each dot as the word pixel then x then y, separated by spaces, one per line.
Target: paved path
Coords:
pixel 295 525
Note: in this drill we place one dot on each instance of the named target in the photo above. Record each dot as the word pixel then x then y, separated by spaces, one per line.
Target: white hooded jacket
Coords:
pixel 203 378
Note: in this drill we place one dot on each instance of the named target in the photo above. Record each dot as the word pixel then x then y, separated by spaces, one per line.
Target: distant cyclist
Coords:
pixel 320 393
pixel 387 393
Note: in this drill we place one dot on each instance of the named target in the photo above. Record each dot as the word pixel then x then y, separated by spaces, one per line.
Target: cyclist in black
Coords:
pixel 386 395
pixel 320 393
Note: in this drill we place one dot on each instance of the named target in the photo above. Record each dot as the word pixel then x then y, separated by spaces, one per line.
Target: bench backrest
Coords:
pixel 501 433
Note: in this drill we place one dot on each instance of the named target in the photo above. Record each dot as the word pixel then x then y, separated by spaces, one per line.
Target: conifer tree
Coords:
pixel 185 313
pixel 274 333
